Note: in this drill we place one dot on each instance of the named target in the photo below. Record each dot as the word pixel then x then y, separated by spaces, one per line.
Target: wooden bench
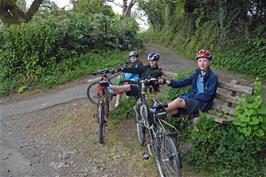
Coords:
pixel 224 104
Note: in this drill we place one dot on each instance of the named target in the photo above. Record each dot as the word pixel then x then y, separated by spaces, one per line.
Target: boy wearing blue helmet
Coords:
pixel 151 70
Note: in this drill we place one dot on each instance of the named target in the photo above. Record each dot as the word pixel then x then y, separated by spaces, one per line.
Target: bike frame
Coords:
pixel 103 100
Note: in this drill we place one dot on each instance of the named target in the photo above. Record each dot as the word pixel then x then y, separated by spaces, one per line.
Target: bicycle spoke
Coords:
pixel 169 158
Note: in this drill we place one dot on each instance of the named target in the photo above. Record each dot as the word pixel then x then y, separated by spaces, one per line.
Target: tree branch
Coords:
pixel 10 13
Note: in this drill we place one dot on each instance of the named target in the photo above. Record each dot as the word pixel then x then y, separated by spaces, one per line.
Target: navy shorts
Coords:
pixel 192 107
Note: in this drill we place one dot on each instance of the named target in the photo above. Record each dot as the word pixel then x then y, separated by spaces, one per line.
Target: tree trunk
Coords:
pixel 127 7
pixel 10 13
pixel 170 11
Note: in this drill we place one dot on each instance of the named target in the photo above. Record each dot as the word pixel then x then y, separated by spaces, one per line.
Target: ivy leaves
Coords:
pixel 251 113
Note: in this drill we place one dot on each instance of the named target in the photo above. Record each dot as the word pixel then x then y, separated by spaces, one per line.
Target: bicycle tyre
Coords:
pixel 139 122
pixel 91 93
pixel 140 130
pixel 102 123
pixel 168 160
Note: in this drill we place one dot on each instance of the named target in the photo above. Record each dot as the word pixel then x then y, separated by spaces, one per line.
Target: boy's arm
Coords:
pixel 140 64
pixel 158 74
pixel 182 82
pixel 208 93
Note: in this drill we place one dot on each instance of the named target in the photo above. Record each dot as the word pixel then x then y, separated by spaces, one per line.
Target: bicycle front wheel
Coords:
pixel 168 159
pixel 91 93
pixel 139 122
pixel 140 130
pixel 102 123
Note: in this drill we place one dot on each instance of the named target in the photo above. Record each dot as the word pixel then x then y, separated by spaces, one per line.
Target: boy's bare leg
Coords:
pixel 173 112
pixel 121 89
pixel 118 98
pixel 173 105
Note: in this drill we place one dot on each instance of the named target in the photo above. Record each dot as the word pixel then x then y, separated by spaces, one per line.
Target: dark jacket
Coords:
pixel 210 86
pixel 146 72
pixel 133 76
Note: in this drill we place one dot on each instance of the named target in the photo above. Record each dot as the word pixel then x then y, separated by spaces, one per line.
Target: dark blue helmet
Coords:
pixel 153 56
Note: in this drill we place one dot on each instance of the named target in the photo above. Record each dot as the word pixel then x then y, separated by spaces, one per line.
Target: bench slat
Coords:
pixel 223 108
pixel 226 98
pixel 219 118
pixel 235 87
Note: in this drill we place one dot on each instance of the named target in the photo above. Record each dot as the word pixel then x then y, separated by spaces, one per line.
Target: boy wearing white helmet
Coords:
pixel 133 62
pixel 151 70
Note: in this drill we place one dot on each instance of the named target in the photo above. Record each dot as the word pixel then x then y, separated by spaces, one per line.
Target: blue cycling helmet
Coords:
pixel 153 56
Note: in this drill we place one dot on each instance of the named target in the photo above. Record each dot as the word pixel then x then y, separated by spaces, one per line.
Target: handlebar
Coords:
pixel 149 81
pixel 105 71
pixel 143 81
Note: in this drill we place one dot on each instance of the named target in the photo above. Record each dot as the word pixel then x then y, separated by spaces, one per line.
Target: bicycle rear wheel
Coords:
pixel 168 159
pixel 91 93
pixel 102 123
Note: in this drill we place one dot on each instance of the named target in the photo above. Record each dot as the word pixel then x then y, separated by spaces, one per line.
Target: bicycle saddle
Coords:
pixel 158 105
pixel 104 83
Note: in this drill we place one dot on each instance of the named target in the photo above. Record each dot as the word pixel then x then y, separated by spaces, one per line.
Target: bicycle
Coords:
pixel 98 94
pixel 163 144
pixel 141 109
pixel 162 141
pixel 91 94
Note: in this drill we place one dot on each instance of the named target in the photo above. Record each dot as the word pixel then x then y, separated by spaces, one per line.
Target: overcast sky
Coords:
pixel 59 3
pixel 66 3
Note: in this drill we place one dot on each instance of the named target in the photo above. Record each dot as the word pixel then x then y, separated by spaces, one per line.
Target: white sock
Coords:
pixel 110 89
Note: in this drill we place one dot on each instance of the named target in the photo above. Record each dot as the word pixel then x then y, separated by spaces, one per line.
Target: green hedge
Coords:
pixel 242 55
pixel 32 50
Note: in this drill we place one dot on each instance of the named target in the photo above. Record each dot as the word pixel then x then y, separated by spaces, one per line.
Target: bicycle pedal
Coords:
pixel 145 156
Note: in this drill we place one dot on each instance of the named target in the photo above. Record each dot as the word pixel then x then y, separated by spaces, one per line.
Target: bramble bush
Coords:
pixel 223 150
pixel 32 50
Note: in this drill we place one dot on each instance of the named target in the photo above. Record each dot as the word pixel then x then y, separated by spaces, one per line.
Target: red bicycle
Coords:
pixel 98 94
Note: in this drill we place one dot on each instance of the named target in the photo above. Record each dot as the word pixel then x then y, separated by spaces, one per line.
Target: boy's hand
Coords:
pixel 162 81
pixel 120 69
